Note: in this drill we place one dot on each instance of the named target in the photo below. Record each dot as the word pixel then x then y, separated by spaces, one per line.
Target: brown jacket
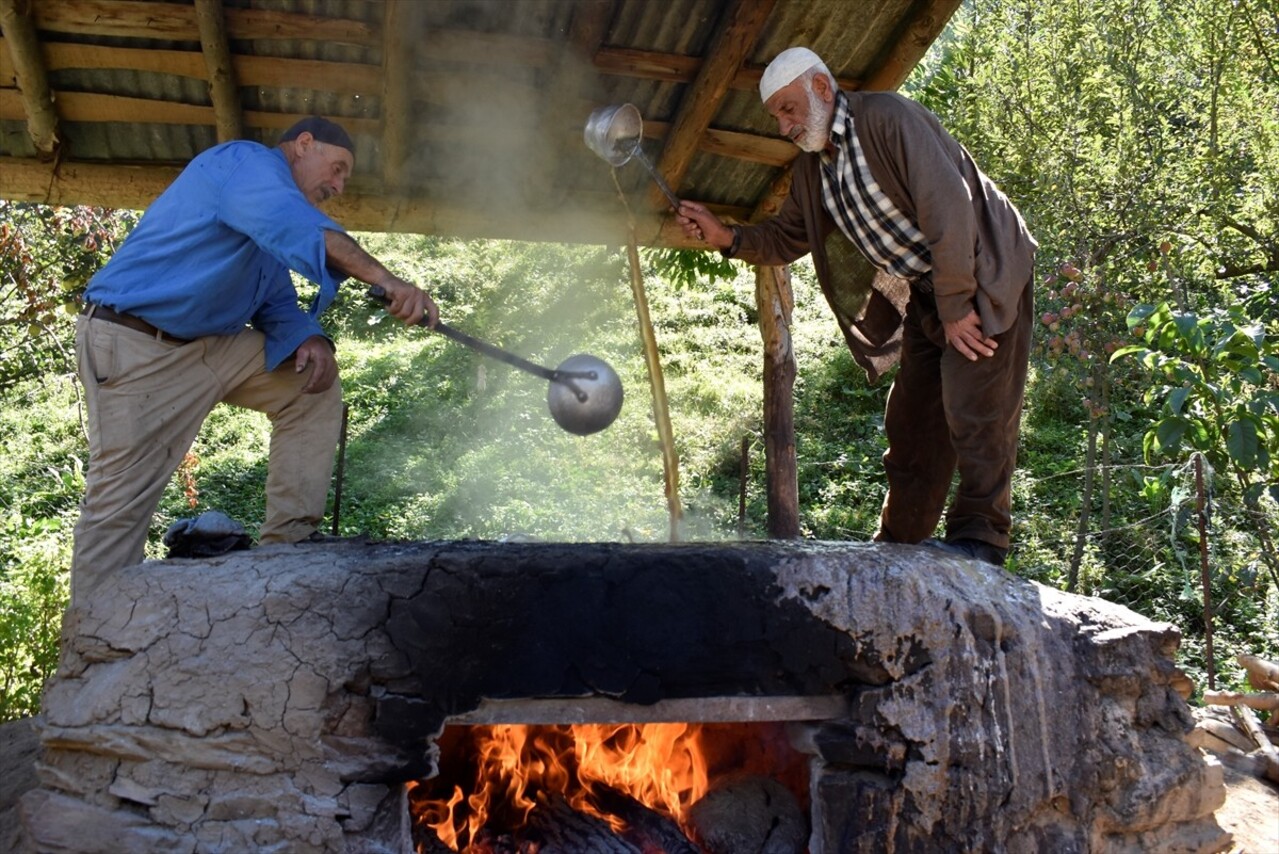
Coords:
pixel 982 252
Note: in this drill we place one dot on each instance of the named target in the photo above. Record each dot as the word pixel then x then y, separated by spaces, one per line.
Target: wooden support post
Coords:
pixel 341 469
pixel 19 31
pixel 661 412
pixel 775 301
pixel 223 91
pixel 1205 577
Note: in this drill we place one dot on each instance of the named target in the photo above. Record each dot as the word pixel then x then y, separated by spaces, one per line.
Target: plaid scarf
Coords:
pixel 886 236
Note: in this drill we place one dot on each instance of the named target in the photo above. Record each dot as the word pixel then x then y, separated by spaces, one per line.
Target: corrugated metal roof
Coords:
pixel 497 94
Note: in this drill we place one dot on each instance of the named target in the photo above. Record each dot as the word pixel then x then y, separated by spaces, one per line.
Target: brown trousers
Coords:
pixel 946 412
pixel 147 400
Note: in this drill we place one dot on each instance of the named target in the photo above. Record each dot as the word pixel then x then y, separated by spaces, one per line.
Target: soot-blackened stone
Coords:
pixel 635 623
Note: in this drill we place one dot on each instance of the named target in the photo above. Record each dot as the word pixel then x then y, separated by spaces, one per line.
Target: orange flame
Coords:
pixel 663 766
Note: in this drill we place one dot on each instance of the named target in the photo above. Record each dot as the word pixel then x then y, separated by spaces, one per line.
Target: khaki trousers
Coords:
pixel 946 413
pixel 147 399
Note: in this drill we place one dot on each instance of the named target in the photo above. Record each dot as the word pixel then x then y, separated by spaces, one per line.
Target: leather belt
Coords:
pixel 101 312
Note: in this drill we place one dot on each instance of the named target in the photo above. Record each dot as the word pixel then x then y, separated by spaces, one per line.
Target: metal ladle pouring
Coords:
pixel 585 394
pixel 615 133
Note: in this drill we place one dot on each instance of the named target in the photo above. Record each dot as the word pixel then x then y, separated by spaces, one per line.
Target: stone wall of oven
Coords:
pixel 275 700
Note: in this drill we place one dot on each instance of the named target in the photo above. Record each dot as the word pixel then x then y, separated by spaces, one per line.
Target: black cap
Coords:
pixel 322 129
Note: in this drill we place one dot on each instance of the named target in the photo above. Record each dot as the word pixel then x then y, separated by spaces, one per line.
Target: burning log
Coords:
pixel 488 842
pixel 564 830
pixel 648 829
pixel 426 842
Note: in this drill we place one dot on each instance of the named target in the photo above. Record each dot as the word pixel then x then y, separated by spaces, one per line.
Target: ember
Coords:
pixel 611 787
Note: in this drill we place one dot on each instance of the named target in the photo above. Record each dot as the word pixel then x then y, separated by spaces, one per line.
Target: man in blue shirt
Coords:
pixel 198 307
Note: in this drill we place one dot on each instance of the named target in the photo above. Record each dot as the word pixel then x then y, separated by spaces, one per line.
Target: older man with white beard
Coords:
pixel 951 295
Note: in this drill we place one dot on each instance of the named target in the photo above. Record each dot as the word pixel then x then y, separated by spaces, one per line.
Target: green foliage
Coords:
pixel 47 255
pixel 686 267
pixel 1117 127
pixel 33 593
pixel 1216 382
pixel 41 479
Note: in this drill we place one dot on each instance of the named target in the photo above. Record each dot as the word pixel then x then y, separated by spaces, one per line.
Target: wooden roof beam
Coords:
pixel 344 78
pixel 769 150
pixel 399 31
pixel 917 31
pixel 216 49
pixel 133 19
pixel 440 46
pixel 589 27
pixel 33 78
pixel 678 68
pixel 743 20
pixel 359 209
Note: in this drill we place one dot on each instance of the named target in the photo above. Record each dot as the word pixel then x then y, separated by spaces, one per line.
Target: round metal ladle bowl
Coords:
pixel 586 396
pixel 615 133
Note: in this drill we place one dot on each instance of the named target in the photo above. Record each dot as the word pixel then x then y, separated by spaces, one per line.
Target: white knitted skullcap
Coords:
pixel 785 67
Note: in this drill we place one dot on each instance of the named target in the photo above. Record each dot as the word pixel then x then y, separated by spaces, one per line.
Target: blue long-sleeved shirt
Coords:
pixel 213 253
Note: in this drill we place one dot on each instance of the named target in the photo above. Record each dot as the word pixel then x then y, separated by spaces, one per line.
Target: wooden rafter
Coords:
pixel 359 209
pixel 676 68
pixel 351 77
pixel 216 49
pixel 86 107
pixel 744 20
pixel 590 26
pixel 398 28
pixel 769 150
pixel 176 21
pixel 343 78
pixel 917 31
pixel 356 78
pixel 33 79
pixel 770 203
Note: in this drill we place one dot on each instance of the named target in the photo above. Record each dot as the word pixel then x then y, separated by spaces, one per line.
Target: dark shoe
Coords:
pixel 975 549
pixel 321 537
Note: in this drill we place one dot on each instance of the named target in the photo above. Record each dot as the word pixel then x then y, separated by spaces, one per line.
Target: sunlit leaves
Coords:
pixel 1219 388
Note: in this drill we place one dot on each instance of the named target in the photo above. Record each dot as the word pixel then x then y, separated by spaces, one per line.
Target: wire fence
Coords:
pixel 1175 543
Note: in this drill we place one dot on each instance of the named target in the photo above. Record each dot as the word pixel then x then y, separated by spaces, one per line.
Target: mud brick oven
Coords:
pixel 284 699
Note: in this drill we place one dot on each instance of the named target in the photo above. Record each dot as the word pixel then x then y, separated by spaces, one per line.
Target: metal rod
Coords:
pixel 337 487
pixel 563 377
pixel 490 350
pixel 657 177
